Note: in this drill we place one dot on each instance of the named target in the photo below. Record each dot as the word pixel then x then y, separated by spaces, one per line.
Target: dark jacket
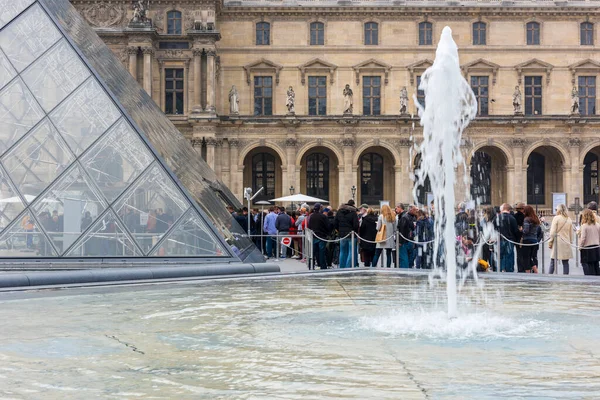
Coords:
pixel 368 231
pixel 406 226
pixel 283 223
pixel 319 224
pixel 520 218
pixel 346 220
pixel 506 224
pixel 243 221
pixel 530 231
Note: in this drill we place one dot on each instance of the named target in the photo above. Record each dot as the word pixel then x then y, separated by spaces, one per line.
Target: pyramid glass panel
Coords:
pixel 36 161
pixel 25 239
pixel 11 203
pixel 84 116
pixel 107 238
pixel 28 36
pixel 190 238
pixel 19 112
pixel 151 206
pixel 7 72
pixel 55 75
pixel 11 8
pixel 116 160
pixel 67 206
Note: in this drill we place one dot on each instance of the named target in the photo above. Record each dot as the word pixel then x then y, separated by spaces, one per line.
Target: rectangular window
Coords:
pixel 480 86
pixel 587 95
pixel 263 95
pixel 317 95
pixel 371 33
pixel 533 33
pixel 425 33
pixel 420 93
pixel 317 34
pixel 533 95
pixel 371 95
pixel 263 33
pixel 587 34
pixel 173 45
pixel 174 90
pixel 479 32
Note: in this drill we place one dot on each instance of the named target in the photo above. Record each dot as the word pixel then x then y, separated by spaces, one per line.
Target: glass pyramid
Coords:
pixel 89 166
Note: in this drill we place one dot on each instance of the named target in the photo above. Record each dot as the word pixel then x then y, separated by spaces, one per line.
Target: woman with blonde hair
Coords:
pixel 589 234
pixel 562 230
pixel 385 221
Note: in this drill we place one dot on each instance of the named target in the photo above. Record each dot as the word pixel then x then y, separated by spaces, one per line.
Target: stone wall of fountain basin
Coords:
pixel 83 276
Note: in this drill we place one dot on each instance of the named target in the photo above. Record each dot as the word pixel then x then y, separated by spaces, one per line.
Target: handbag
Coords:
pixel 381 234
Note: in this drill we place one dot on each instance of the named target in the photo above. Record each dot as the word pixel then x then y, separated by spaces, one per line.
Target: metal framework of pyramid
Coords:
pixel 89 166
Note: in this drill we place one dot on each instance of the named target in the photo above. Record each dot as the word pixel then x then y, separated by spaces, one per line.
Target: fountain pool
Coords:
pixel 343 336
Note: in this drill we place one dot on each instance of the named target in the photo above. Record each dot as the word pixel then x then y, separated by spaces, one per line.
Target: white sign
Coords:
pixel 286 241
pixel 143 218
pixel 383 203
pixel 558 198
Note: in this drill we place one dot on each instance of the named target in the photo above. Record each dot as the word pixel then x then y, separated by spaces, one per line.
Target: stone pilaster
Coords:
pixel 235 175
pixel 348 175
pixel 197 103
pixel 574 177
pixel 132 51
pixel 148 52
pixel 210 81
pixel 520 171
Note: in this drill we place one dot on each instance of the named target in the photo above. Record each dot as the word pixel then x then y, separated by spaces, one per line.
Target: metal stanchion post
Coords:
pixel 352 247
pixel 499 266
pixel 543 255
pixel 397 250
pixel 277 250
pixel 555 245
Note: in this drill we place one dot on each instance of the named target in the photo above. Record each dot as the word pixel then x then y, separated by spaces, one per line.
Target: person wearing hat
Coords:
pixel 319 225
pixel 592 205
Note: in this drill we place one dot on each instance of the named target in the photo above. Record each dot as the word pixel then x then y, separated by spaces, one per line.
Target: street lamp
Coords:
pixel 353 189
pixel 536 191
pixel 292 190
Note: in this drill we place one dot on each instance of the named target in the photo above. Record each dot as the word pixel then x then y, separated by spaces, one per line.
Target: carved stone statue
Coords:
pixel 575 100
pixel 290 102
pixel 517 100
pixel 140 11
pixel 403 100
pixel 234 101
pixel 348 101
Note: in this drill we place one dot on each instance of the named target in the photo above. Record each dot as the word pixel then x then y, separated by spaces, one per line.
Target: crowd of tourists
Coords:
pixel 498 238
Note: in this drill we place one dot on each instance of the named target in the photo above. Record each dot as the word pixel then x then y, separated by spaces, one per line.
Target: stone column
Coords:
pixel 148 52
pixel 397 184
pixel 404 191
pixel 290 154
pixel 211 144
pixel 511 195
pixel 186 87
pixel 349 174
pixel 132 51
pixel 197 104
pixel 223 163
pixel 210 81
pixel 235 177
pixel 520 172
pixel 161 84
pixel 575 177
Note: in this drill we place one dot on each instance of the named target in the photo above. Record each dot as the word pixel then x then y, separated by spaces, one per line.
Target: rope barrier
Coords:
pixel 329 240
pixel 579 247
pixel 524 244
pixel 412 241
pixel 375 242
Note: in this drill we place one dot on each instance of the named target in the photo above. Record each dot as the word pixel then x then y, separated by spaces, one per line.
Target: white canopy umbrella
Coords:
pixel 299 198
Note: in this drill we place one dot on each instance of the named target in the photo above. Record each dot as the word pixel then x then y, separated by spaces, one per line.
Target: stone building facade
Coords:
pixel 189 53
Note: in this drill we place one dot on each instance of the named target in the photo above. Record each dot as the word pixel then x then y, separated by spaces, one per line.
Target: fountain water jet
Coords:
pixel 451 105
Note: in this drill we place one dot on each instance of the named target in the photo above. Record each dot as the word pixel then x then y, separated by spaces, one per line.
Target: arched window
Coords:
pixel 425 33
pixel 371 178
pixel 479 33
pixel 533 33
pixel 174 22
pixel 590 178
pixel 587 34
pixel 317 175
pixel 263 175
pixel 536 176
pixel 422 190
pixel 263 33
pixel 481 178
pixel 371 33
pixel 317 33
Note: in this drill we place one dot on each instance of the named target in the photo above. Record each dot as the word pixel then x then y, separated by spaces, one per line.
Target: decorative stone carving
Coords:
pixel 103 14
pixel 404 142
pixel 196 52
pixel 348 100
pixel 517 142
pixel 173 53
pixel 573 142
pixel 291 142
pixel 403 100
pixel 140 13
pixel 348 142
pixel 517 101
pixel 575 101
pixel 211 53
pixel 148 50
pixel 217 68
pixel 234 143
pixel 290 101
pixel 211 141
pixel 234 101
pixel 132 50
pixel 197 142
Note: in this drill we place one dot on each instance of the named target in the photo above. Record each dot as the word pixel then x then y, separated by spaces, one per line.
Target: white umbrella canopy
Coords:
pixel 299 198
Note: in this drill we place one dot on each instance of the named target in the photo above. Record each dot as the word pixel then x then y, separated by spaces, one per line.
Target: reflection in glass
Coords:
pixel 66 207
pixel 37 160
pixel 151 206
pixel 107 238
pixel 191 238
pixel 116 160
pixel 10 202
pixel 28 36
pixel 7 72
pixel 84 116
pixel 54 75
pixel 25 239
pixel 11 8
pixel 18 113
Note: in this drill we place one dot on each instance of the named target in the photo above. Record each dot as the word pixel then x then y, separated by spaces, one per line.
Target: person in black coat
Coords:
pixel 368 231
pixel 319 224
pixel 346 222
pixel 506 224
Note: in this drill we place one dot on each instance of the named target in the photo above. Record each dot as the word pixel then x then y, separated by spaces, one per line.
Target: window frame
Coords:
pixel 589 33
pixel 476 32
pixel 319 99
pixel 262 97
pixel 180 19
pixel 174 91
pixel 533 96
pixel 539 33
pixel 256 33
pixel 310 33
pixel 371 96
pixel 586 95
pixel 265 158
pixel 422 28
pixel 371 157
pixel 535 168
pixel 368 33
pixel 477 94
pixel 420 93
pixel 315 173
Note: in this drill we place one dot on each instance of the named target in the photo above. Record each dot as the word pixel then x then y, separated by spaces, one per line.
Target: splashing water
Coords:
pixel 451 104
